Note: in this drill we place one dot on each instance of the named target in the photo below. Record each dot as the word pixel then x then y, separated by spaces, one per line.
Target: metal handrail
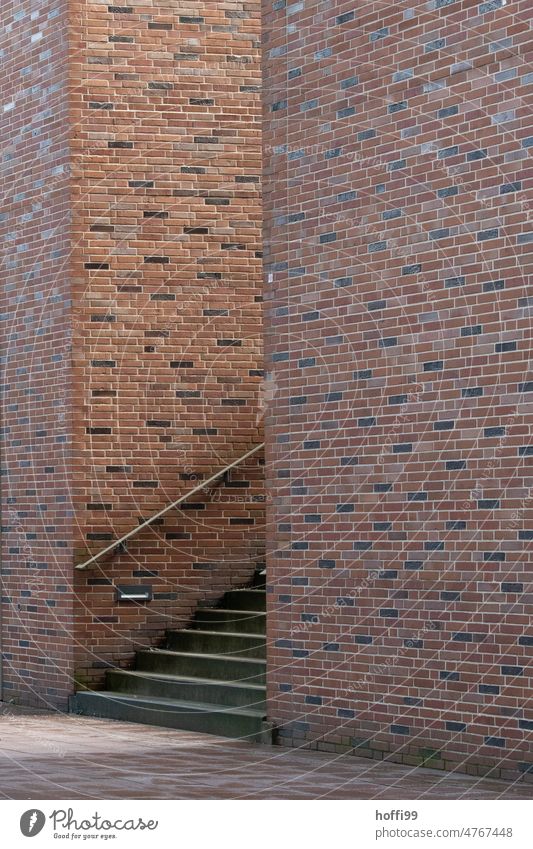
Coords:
pixel 176 503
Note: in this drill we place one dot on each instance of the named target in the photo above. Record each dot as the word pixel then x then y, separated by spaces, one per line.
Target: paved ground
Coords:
pixel 51 756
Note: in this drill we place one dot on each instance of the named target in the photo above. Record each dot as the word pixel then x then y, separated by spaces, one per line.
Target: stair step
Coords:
pixel 247 599
pixel 231 644
pixel 214 666
pixel 191 716
pixel 236 621
pixel 185 689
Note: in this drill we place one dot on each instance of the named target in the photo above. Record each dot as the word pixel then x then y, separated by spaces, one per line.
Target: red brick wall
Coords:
pixel 35 330
pixel 213 543
pixel 397 341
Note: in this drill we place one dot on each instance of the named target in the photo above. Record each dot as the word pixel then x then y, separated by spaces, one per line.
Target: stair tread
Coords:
pixel 224 657
pixel 187 679
pixel 155 701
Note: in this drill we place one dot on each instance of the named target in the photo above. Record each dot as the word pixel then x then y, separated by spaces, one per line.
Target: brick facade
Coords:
pixel 397 348
pixel 398 532
pixel 159 298
pixel 166 158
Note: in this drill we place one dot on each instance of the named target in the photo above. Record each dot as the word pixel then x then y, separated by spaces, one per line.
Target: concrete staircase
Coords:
pixel 209 677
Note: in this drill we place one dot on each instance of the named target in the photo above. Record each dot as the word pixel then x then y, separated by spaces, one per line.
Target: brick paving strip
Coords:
pixel 53 756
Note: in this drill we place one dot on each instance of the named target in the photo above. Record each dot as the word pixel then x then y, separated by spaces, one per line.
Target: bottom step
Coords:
pixel 189 716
